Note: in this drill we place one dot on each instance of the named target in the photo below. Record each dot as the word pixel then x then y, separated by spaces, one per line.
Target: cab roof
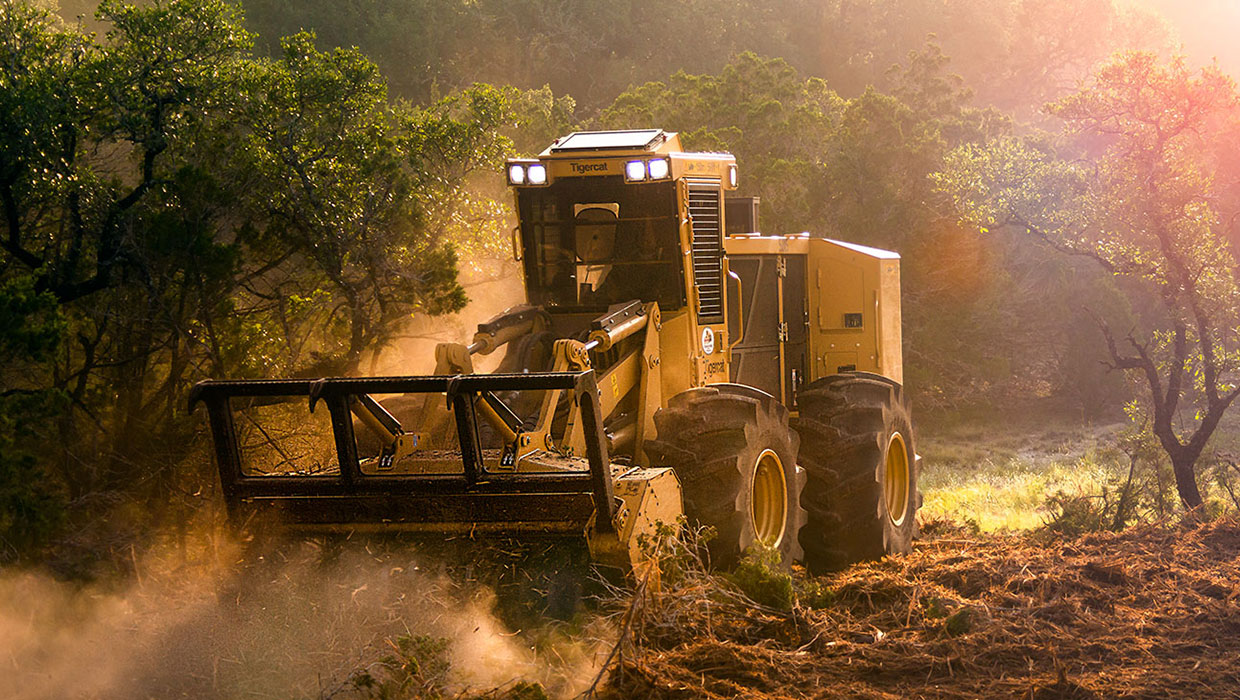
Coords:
pixel 640 141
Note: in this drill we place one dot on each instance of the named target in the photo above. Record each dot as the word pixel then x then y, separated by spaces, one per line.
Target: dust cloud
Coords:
pixel 302 622
pixel 298 622
pixel 412 351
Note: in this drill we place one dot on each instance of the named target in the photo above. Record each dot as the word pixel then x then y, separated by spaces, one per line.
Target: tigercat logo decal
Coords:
pixel 586 168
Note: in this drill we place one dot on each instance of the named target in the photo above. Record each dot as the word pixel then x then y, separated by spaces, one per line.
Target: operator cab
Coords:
pixel 612 216
pixel 590 243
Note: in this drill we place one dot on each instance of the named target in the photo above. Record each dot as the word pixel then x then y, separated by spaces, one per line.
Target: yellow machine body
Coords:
pixel 644 280
pixel 836 309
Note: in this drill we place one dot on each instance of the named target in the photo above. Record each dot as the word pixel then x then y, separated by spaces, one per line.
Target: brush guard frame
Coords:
pixel 477 499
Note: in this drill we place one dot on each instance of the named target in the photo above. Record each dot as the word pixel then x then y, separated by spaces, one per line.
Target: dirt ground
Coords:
pixel 1151 612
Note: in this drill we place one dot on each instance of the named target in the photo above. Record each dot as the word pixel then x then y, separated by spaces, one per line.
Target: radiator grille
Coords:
pixel 707 250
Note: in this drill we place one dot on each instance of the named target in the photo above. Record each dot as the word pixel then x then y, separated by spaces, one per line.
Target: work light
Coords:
pixel 635 170
pixel 516 174
pixel 659 169
pixel 537 174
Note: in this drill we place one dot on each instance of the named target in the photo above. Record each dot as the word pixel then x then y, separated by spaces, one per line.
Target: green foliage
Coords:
pixel 32 507
pixel 775 122
pixel 959 622
pixel 331 184
pixel 1226 474
pixel 678 549
pixel 1011 494
pixel 761 576
pixel 1018 53
pixel 176 207
pixel 541 118
pixel 456 146
pixel 814 594
pixel 935 607
pixel 31 325
pixel 1072 515
pixel 591 49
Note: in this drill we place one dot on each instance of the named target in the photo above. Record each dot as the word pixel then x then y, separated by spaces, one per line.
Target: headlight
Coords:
pixel 659 169
pixel 537 174
pixel 516 174
pixel 635 170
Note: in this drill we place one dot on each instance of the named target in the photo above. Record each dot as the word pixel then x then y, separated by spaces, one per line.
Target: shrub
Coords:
pixel 1072 515
pixel 760 577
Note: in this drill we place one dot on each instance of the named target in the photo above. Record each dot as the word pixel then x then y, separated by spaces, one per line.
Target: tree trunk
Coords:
pixel 1186 481
pixel 358 323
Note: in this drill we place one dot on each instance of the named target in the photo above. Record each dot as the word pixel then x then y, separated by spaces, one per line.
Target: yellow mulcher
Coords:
pixel 669 361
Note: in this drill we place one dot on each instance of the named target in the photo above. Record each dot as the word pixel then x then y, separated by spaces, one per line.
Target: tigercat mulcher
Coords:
pixel 669 360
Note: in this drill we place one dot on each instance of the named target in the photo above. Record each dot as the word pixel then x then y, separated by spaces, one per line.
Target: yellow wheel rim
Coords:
pixel 895 479
pixel 768 501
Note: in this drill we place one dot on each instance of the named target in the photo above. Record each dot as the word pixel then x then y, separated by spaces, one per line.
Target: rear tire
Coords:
pixel 857 449
pixel 735 456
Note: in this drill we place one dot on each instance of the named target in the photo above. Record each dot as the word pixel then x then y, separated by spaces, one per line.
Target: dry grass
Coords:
pixel 999 479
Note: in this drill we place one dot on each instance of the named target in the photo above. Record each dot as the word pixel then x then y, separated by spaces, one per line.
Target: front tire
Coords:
pixel 736 458
pixel 857 449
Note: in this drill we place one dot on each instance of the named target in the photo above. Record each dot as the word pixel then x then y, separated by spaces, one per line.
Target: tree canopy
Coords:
pixel 1142 204
pixel 1015 53
pixel 176 207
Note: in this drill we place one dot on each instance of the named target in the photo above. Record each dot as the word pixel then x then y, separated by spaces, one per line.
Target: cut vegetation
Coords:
pixel 1149 612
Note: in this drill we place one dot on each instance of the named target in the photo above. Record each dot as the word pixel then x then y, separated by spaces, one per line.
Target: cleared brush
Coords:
pixel 1147 612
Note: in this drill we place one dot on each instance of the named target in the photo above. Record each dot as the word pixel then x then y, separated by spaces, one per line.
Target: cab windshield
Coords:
pixel 593 242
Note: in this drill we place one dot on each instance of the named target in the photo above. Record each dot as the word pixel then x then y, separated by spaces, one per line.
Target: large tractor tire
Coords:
pixel 860 493
pixel 735 456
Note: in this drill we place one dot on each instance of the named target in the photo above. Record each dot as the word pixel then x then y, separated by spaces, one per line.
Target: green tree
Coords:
pixel 31 507
pixel 1016 54
pixel 331 187
pixel 175 207
pixel 457 145
pixel 88 170
pixel 1141 203
pixel 779 125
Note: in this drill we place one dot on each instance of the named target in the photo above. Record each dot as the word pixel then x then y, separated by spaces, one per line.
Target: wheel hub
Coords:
pixel 895 480
pixel 768 503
